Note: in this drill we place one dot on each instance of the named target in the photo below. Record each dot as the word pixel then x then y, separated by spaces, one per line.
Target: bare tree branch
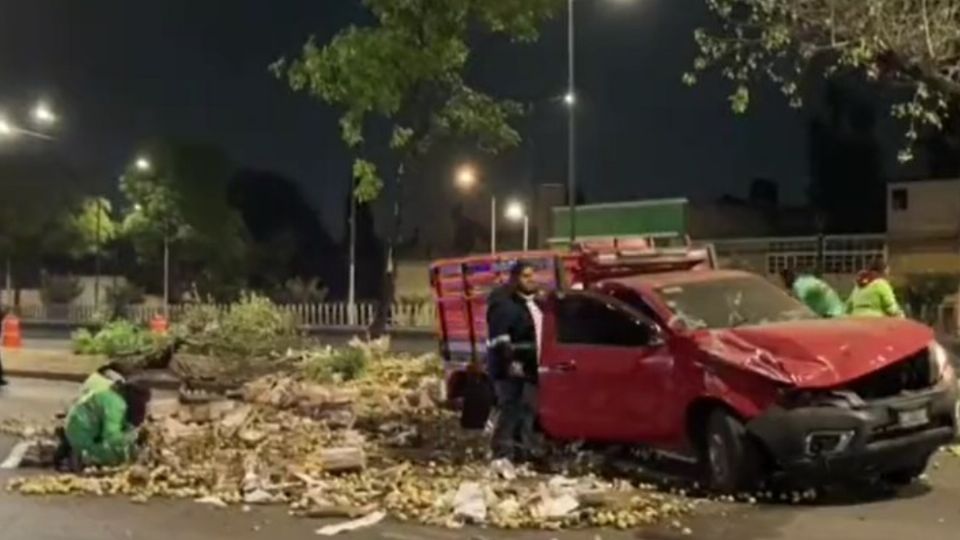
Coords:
pixel 891 42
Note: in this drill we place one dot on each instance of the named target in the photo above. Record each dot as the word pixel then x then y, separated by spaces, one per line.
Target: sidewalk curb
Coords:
pixel 79 378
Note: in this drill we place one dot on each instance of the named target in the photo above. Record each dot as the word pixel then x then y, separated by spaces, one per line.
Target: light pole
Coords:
pixel 97 255
pixel 166 274
pixel 571 100
pixel 352 279
pixel 143 164
pixel 518 213
pixel 466 180
pixel 42 117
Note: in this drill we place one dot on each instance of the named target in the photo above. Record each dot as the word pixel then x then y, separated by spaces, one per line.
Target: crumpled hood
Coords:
pixel 816 354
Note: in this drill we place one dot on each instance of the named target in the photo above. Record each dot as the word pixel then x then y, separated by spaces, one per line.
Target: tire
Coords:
pixel 730 460
pixel 907 475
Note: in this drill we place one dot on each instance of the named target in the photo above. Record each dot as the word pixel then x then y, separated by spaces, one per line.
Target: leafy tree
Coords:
pixel 155 215
pixel 901 44
pixel 181 202
pixel 942 148
pixel 845 163
pixel 35 193
pixel 369 253
pixel 288 239
pixel 406 73
pixel 87 227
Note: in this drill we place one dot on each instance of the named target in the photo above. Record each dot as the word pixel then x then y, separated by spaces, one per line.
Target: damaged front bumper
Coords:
pixel 844 436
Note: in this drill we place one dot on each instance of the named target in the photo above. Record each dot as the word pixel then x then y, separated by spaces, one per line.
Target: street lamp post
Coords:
pixel 571 101
pixel 493 224
pixel 97 255
pixel 166 275
pixel 352 279
pixel 144 165
pixel 518 213
pixel 43 117
pixel 466 180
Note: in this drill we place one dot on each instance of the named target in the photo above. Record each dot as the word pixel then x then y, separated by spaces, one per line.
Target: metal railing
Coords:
pixel 330 314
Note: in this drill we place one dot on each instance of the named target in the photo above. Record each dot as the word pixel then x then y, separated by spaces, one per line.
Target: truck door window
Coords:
pixel 634 300
pixel 583 320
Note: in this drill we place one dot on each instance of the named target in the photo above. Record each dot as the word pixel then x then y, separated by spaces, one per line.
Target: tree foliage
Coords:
pixel 87 227
pixel 287 237
pixel 35 195
pixel 155 213
pixel 408 69
pixel 182 200
pixel 901 44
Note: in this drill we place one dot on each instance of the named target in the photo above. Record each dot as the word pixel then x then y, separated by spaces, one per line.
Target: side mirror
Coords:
pixel 657 339
pixel 678 325
pixel 648 334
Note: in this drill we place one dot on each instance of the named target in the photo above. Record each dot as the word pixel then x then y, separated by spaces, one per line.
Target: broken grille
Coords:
pixel 912 373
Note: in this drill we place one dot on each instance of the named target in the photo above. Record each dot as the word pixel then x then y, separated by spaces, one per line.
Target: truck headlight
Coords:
pixel 940 364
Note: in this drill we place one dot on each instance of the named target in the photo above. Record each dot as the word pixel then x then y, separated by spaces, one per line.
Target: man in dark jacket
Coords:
pixel 514 323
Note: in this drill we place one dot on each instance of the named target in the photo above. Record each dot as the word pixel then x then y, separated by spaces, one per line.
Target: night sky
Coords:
pixel 121 71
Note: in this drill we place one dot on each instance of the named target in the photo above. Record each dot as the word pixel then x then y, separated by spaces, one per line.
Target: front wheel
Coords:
pixel 730 459
pixel 907 475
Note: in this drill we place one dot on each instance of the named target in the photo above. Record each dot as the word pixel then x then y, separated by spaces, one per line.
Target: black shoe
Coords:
pixel 4 382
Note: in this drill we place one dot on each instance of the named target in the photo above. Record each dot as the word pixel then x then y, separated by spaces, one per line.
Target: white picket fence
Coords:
pixel 331 314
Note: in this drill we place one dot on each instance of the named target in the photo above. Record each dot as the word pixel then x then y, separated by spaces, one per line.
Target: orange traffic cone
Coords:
pixel 12 337
pixel 159 325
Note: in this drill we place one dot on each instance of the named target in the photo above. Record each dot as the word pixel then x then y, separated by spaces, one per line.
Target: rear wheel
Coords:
pixel 730 459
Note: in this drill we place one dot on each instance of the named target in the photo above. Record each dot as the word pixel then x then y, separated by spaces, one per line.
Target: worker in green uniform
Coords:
pixel 873 295
pixel 102 379
pixel 101 428
pixel 814 292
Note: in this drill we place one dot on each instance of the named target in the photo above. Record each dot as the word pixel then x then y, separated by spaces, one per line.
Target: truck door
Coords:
pixel 604 371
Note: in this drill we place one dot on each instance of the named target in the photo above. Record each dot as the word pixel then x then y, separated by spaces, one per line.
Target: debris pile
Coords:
pixel 353 449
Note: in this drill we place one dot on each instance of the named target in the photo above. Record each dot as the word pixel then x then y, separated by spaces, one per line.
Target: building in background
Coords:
pixel 753 234
pixel 923 226
pixel 663 218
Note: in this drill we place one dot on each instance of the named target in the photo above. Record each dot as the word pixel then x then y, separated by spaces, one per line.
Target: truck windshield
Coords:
pixel 732 302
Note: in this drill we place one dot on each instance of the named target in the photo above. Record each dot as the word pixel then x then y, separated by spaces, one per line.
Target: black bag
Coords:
pixel 478 401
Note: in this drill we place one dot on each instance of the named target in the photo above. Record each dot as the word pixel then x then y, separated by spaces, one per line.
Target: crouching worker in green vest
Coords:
pixel 873 295
pixel 103 379
pixel 814 292
pixel 101 428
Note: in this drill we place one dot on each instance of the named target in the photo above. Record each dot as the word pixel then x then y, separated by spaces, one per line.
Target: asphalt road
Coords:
pixel 930 510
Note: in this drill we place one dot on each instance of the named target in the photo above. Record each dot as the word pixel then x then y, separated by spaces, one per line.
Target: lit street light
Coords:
pixel 43 115
pixel 517 212
pixel 466 178
pixel 143 164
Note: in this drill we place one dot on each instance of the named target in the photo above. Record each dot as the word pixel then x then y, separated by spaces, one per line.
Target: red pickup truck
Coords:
pixel 659 349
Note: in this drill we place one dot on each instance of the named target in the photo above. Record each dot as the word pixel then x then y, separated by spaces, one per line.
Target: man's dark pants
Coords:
pixel 513 434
